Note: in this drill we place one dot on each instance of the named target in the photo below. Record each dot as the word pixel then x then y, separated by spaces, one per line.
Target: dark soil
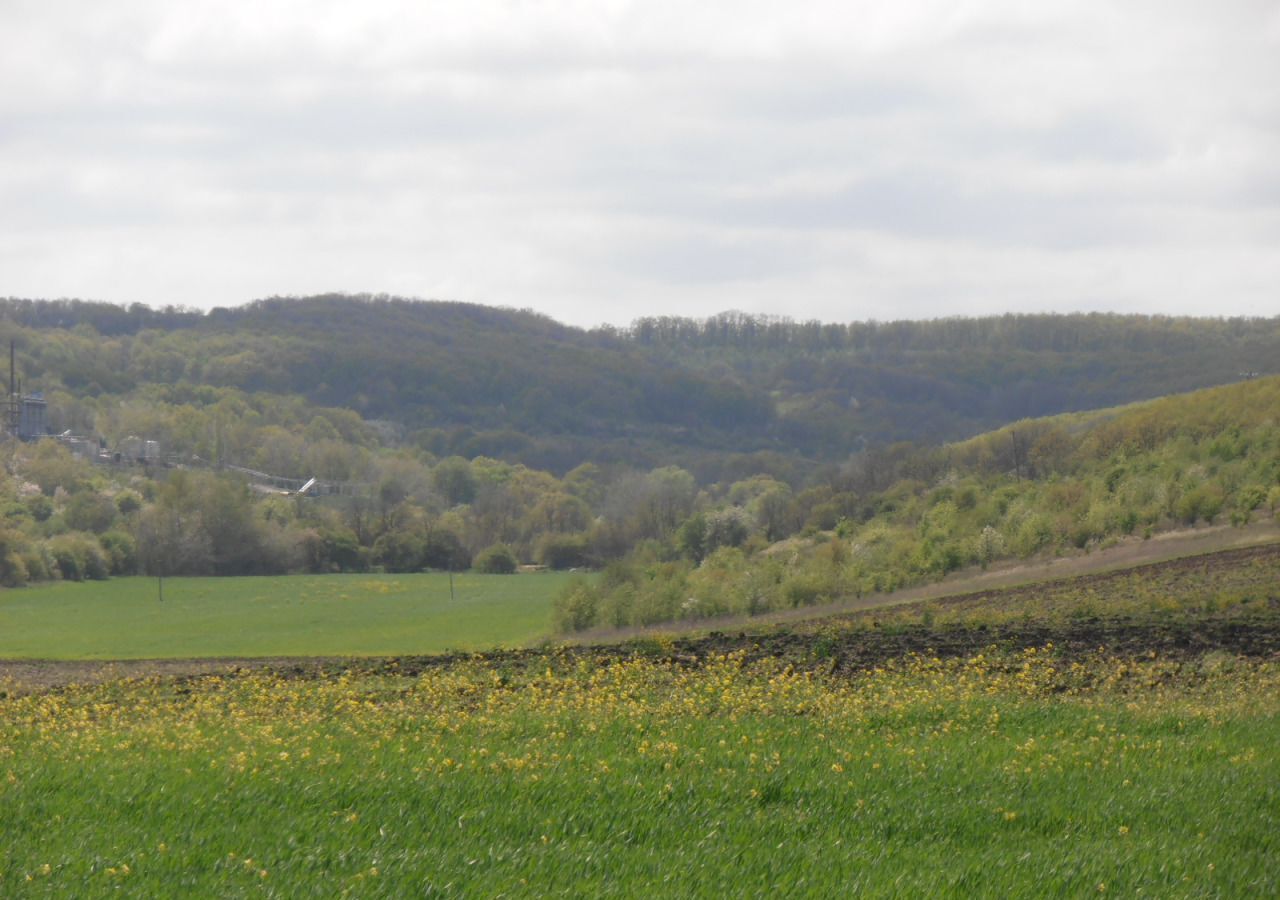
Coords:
pixel 859 641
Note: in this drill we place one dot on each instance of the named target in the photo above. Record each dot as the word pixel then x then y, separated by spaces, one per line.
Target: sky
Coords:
pixel 602 160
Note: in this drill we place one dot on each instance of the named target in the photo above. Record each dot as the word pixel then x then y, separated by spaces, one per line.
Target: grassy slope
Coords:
pixel 298 615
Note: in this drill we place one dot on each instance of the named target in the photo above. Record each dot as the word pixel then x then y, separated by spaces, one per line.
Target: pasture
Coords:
pixel 1104 735
pixel 298 615
pixel 1000 774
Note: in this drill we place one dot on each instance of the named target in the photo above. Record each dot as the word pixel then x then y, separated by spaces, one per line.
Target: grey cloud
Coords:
pixel 664 154
pixel 699 258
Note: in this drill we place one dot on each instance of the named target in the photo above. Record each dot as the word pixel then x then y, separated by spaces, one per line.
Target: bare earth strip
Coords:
pixel 1224 544
pixel 26 675
pixel 1129 553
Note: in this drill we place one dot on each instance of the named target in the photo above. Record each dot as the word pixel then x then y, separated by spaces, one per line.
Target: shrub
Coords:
pixel 617 608
pixel 1251 497
pixel 89 511
pixel 1034 533
pixel 128 502
pixel 441 549
pixel 13 571
pixel 727 528
pixel 1201 502
pixel 334 549
pixel 576 607
pixel 36 564
pixel 40 507
pixel 988 545
pixel 78 556
pixel 496 560
pixel 122 552
pixel 803 590
pixel 564 551
pixel 398 551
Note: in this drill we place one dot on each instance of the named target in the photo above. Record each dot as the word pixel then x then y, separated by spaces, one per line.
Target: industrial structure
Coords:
pixel 27 415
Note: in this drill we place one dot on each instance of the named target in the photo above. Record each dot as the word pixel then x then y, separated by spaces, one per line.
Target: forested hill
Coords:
pixel 733 391
pixel 946 379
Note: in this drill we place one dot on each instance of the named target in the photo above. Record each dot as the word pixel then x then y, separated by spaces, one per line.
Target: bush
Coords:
pixel 564 551
pixel 441 549
pixel 691 537
pixel 40 507
pixel 282 550
pixel 121 551
pixel 727 528
pixel 128 502
pixel 617 608
pixel 334 549
pixel 36 564
pixel 13 570
pixel 803 590
pixel 576 607
pixel 78 557
pixel 663 589
pixel 1251 497
pixel 1201 502
pixel 496 560
pixel 1034 533
pixel 89 511
pixel 398 551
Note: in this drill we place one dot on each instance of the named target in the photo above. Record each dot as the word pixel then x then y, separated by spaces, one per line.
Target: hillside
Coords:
pixel 727 397
pixel 447 434
pixel 909 516
pixel 948 379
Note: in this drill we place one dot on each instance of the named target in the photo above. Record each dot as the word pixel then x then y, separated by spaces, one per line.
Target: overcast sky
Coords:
pixel 602 160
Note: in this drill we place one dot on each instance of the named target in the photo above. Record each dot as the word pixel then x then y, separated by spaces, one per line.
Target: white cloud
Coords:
pixel 604 160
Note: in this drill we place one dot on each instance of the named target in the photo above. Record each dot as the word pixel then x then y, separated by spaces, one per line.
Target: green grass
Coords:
pixel 986 777
pixel 1009 773
pixel 329 615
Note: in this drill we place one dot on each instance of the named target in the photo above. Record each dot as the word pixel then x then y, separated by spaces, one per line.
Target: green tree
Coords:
pixel 496 560
pixel 441 549
pixel 172 542
pixel 399 551
pixel 454 481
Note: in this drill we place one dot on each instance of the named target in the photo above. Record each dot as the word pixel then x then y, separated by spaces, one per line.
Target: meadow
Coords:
pixel 321 615
pixel 1000 774
pixel 1111 734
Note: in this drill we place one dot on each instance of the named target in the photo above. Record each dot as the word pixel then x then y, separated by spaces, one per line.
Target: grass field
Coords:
pixel 1113 734
pixel 1003 775
pixel 329 615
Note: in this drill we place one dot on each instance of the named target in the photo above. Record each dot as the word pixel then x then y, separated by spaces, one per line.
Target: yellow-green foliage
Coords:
pixel 1081 480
